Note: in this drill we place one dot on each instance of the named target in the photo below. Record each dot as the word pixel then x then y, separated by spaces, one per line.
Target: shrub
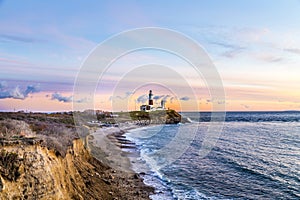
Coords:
pixel 13 128
pixel 58 138
pixel 9 165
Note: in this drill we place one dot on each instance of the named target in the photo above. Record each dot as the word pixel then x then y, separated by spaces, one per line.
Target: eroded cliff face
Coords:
pixel 44 175
pixel 30 171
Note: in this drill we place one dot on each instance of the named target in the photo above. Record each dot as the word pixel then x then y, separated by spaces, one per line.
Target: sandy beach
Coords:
pixel 107 145
pixel 111 141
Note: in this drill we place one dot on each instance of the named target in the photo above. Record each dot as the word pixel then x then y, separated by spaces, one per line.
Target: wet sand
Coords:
pixel 107 145
pixel 111 141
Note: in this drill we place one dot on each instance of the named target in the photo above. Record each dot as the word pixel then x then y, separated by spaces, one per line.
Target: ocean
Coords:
pixel 256 156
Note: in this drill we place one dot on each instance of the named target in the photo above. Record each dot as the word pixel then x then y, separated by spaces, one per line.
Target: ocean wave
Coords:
pixel 244 116
pixel 250 161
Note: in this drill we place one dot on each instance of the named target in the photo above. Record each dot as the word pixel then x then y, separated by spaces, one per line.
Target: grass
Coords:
pixel 156 117
pixel 57 130
pixel 10 128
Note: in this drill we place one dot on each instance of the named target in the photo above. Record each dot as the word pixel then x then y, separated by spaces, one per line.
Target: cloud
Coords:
pixel 112 98
pixel 16 38
pixel 162 97
pixel 245 106
pixel 142 99
pixel 233 41
pixel 66 99
pixel 185 98
pixel 251 35
pixel 17 92
pixel 231 50
pixel 215 101
pixel 293 50
pixel 226 45
pixel 14 61
pixel 166 97
pixel 157 97
pixel 127 94
pixel 60 98
pixel 232 53
pixel 32 89
pixel 270 58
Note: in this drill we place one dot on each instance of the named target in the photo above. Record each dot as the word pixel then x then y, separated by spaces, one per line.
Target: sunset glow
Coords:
pixel 254 45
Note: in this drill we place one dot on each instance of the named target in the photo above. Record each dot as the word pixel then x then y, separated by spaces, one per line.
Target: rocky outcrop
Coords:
pixel 156 117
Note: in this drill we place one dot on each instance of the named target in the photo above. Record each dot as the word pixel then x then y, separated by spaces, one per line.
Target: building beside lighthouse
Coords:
pixel 150 106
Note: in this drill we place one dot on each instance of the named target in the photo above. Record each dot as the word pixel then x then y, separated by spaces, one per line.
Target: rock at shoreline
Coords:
pixel 156 117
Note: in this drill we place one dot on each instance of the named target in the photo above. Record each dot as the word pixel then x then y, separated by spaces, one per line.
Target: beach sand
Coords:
pixel 107 145
pixel 111 142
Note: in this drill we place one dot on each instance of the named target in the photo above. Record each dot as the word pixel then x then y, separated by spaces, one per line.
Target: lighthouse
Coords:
pixel 150 98
pixel 150 106
pixel 163 104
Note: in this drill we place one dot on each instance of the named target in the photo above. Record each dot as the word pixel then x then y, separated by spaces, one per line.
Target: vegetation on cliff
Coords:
pixel 53 135
pixel 157 117
pixel 153 117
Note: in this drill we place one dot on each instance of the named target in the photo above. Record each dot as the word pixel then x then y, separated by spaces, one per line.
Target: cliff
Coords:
pixel 34 172
pixel 31 171
pixel 40 173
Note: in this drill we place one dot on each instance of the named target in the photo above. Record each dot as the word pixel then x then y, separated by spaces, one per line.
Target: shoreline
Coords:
pixel 110 146
pixel 48 160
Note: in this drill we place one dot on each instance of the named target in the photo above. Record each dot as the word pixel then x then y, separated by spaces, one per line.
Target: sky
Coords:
pixel 254 45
